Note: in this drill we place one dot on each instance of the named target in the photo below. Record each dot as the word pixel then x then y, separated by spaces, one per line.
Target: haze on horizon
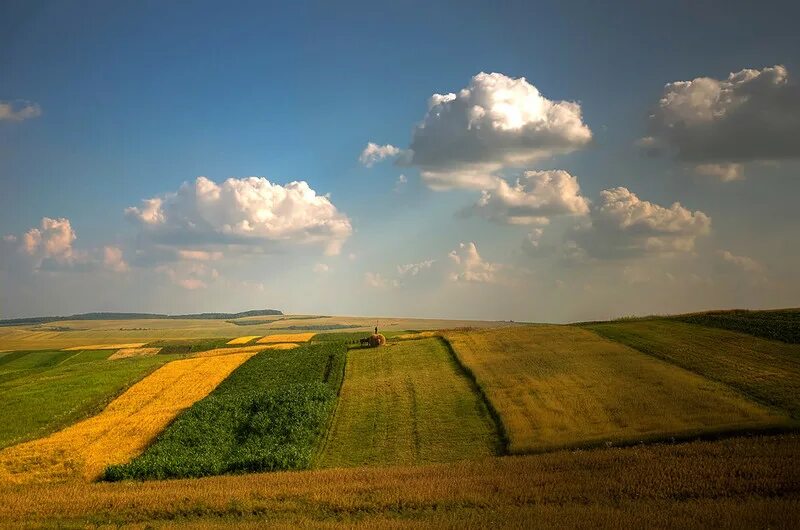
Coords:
pixel 550 162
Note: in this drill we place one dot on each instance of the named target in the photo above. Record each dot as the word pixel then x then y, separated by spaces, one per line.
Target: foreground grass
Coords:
pixel 562 386
pixel 42 391
pixel 776 324
pixel 123 429
pixel 733 483
pixel 768 371
pixel 407 403
pixel 269 414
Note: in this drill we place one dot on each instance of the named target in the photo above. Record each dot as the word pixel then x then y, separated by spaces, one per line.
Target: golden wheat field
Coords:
pixel 129 345
pixel 255 348
pixel 243 340
pixel 286 337
pixel 559 386
pixel 123 429
pixel 748 482
pixel 126 353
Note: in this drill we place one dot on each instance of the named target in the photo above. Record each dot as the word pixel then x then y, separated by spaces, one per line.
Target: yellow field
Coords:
pixel 125 353
pixel 255 348
pixel 243 340
pixel 107 346
pixel 562 386
pixel 419 335
pixel 286 337
pixel 751 482
pixel 123 429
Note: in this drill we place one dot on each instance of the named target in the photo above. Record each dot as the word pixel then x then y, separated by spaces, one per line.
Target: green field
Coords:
pixel 407 403
pixel 563 386
pixel 269 414
pixel 41 391
pixel 777 324
pixel 765 370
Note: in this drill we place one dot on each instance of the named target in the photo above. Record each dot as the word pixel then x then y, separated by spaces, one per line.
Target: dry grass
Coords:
pixel 286 337
pixel 255 348
pixel 123 429
pixel 734 483
pixel 417 335
pixel 562 386
pixel 107 346
pixel 243 340
pixel 125 353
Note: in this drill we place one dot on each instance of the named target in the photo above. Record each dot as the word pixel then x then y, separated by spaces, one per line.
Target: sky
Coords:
pixel 531 161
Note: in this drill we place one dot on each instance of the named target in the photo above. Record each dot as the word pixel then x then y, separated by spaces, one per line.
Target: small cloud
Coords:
pixel 412 269
pixel 374 153
pixel 113 259
pixel 723 172
pixel 741 263
pixel 400 182
pixel 376 281
pixel 19 110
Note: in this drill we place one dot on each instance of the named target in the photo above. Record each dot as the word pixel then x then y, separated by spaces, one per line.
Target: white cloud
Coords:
pixel 471 267
pixel 533 199
pixel 113 259
pixel 374 153
pixel 495 122
pixel 375 280
pixel 249 211
pixel 400 182
pixel 19 110
pixel 52 240
pixel 723 172
pixel 321 268
pixel 752 115
pixel 412 269
pixel 190 275
pixel 199 255
pixel 741 263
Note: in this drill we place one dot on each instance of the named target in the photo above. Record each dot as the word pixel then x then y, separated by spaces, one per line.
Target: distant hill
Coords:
pixel 139 316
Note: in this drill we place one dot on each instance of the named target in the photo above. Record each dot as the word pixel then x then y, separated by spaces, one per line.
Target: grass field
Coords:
pixel 43 391
pixel 562 386
pixel 407 403
pixel 765 370
pixel 733 483
pixel 777 324
pixel 123 429
pixel 269 414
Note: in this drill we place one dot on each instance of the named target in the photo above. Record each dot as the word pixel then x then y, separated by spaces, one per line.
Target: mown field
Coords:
pixel 42 391
pixel 562 386
pixel 764 370
pixel 407 403
pixel 733 483
pixel 269 414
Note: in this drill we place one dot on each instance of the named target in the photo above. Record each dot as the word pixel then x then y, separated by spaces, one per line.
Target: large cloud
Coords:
pixel 495 122
pixel 52 240
pixel 621 224
pixel 750 116
pixel 19 110
pixel 536 196
pixel 249 211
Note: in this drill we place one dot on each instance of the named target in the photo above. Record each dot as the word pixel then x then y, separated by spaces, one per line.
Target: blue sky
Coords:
pixel 136 98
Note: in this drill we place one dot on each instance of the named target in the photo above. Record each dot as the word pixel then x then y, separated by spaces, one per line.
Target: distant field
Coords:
pixel 768 371
pixel 733 483
pixel 269 414
pixel 43 391
pixel 123 429
pixel 778 324
pixel 561 386
pixel 407 403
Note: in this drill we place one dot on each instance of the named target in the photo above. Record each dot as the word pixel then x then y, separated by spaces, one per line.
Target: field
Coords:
pixel 563 386
pixel 780 324
pixel 407 403
pixel 43 391
pixel 270 414
pixel 734 483
pixel 766 371
pixel 123 429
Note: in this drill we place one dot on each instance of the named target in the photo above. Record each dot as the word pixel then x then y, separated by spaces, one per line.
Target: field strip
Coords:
pixel 126 353
pixel 562 386
pixel 123 429
pixel 286 337
pixel 407 403
pixel 255 348
pixel 107 346
pixel 243 340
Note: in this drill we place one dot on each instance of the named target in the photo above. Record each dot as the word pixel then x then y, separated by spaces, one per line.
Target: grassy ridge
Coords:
pixel 781 324
pixel 42 391
pixel 407 403
pixel 268 415
pixel 767 371
pixel 562 386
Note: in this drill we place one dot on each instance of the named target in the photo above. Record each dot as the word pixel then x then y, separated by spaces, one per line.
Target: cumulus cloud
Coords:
pixel 621 224
pixel 248 211
pixel 113 259
pixel 723 172
pixel 536 196
pixel 374 153
pixel 412 269
pixel 376 281
pixel 471 267
pixel 19 110
pixel 738 263
pixel 752 115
